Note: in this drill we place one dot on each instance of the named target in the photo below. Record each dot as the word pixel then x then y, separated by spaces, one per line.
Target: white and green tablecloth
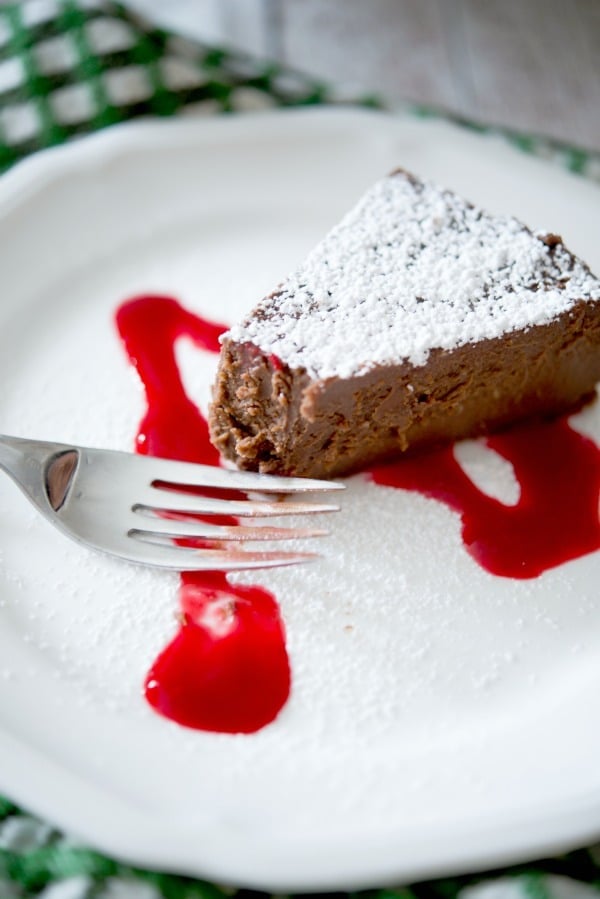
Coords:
pixel 70 67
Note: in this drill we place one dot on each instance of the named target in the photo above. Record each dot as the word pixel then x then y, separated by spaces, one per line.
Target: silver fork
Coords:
pixel 144 509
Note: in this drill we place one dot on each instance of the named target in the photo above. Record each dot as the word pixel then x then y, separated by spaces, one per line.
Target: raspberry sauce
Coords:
pixel 556 517
pixel 227 668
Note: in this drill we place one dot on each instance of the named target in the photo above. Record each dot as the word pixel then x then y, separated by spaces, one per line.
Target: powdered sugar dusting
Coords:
pixel 411 268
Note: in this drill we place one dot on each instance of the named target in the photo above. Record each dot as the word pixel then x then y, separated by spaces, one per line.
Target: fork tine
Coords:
pixel 188 474
pixel 194 530
pixel 185 559
pixel 188 504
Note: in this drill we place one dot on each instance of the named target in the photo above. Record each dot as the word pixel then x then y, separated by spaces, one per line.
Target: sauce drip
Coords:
pixel 556 517
pixel 227 668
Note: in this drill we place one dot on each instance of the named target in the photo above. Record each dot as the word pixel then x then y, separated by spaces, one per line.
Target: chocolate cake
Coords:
pixel 419 319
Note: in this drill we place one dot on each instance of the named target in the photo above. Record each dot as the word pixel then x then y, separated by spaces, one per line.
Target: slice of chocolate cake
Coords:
pixel 418 319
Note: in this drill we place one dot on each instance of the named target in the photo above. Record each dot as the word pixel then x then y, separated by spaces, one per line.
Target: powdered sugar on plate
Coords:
pixel 411 268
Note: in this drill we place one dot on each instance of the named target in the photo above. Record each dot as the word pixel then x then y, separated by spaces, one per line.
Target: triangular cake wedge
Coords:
pixel 418 319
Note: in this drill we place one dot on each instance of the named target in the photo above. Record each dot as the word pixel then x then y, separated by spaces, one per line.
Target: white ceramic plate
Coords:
pixel 441 719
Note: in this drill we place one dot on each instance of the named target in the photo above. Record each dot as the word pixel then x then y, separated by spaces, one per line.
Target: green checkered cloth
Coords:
pixel 69 68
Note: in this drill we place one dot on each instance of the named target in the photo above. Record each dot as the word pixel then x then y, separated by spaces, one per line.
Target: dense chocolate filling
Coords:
pixel 269 418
